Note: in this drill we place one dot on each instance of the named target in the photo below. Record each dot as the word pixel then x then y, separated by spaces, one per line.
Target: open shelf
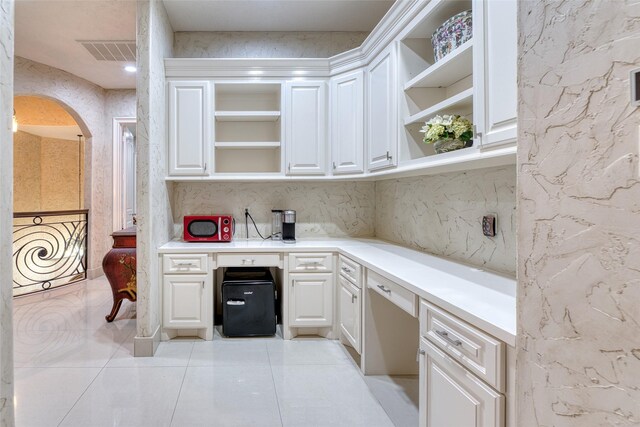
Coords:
pixel 450 69
pixel 460 104
pixel 248 160
pixel 434 15
pixel 246 145
pixel 247 116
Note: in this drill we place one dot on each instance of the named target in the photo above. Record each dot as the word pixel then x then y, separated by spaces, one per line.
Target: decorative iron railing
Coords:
pixel 49 249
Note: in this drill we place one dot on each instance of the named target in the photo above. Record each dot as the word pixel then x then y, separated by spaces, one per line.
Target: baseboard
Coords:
pixel 146 346
pixel 94 273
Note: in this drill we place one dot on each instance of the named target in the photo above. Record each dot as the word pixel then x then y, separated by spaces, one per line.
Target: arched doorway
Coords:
pixel 50 220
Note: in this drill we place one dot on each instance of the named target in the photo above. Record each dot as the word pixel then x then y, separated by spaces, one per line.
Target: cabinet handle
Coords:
pixel 248 261
pixel 334 166
pixel 205 167
pixel 354 298
pixel 389 156
pixel 311 265
pixel 445 336
pixel 383 289
pixel 346 270
pixel 289 167
pixel 184 264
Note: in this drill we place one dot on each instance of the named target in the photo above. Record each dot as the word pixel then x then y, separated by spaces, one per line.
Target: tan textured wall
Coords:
pixel 26 172
pixel 578 359
pixel 60 181
pixel 442 215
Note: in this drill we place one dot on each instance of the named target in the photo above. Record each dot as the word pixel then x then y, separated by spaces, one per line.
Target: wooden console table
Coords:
pixel 119 265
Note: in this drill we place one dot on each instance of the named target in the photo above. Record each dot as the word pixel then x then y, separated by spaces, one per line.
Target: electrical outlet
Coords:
pixel 489 225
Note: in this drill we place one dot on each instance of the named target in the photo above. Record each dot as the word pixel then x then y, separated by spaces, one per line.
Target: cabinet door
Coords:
pixel 347 123
pixel 495 71
pixel 450 395
pixel 185 301
pixel 382 111
pixel 189 126
pixel 311 299
pixel 350 313
pixel 305 123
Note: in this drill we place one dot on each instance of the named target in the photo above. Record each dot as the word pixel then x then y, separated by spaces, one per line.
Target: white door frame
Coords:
pixel 118 169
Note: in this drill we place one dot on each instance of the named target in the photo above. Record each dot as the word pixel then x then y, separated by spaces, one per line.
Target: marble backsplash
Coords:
pixel 276 44
pixel 335 209
pixel 442 215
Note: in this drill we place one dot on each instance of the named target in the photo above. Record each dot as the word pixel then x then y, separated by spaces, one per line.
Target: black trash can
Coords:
pixel 248 302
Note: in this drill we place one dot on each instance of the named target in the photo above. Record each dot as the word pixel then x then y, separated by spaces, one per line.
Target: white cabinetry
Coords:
pixel 305 124
pixel 189 127
pixel 350 300
pixel 310 299
pixel 452 396
pixel 347 122
pixel 350 312
pixel 495 70
pixel 382 112
pixel 185 301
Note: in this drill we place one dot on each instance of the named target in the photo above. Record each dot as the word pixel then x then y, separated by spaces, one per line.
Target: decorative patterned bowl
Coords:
pixel 452 34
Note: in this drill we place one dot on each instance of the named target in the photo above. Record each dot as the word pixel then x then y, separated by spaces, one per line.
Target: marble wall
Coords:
pixel 7 12
pixel 155 224
pixel 442 215
pixel 578 215
pixel 336 209
pixel 288 44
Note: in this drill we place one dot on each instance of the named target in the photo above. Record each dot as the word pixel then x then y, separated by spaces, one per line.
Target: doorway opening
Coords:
pixel 124 172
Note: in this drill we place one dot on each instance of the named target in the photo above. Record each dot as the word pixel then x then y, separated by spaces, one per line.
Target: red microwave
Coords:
pixel 208 228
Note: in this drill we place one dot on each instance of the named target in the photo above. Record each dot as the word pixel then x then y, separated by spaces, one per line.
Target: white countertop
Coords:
pixel 483 298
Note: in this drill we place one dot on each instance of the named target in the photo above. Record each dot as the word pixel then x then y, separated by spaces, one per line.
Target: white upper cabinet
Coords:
pixel 305 124
pixel 382 112
pixel 495 70
pixel 190 125
pixel 347 122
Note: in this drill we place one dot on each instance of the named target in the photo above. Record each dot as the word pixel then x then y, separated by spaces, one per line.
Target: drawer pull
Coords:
pixel 383 289
pixel 354 298
pixel 446 337
pixel 248 261
pixel 184 264
pixel 311 265
pixel 346 270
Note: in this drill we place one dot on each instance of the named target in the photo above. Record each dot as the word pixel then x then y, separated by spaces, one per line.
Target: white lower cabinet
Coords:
pixel 350 312
pixel 186 300
pixel 451 395
pixel 310 299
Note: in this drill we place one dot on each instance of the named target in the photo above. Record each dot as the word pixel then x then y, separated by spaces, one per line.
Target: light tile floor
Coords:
pixel 75 369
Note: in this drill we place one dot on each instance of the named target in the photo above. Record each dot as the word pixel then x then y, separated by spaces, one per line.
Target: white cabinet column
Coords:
pixel 190 124
pixel 305 127
pixel 347 123
pixel 495 58
pixel 382 110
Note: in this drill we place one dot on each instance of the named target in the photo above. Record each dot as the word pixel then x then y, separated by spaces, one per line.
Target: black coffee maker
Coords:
pixel 289 226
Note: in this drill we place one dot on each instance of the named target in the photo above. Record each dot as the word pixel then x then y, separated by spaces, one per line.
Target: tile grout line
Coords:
pixel 275 390
pixel 184 376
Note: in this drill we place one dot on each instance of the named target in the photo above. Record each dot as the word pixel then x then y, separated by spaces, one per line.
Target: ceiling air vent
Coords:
pixel 123 50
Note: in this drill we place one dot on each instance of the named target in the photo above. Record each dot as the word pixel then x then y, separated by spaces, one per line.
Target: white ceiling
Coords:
pixel 47 31
pixel 275 15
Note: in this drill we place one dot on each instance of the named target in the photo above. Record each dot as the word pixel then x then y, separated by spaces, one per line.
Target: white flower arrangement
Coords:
pixel 447 127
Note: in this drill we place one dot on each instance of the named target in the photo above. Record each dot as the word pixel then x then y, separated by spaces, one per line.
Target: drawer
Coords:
pixel 184 263
pixel 403 298
pixel 249 260
pixel 310 262
pixel 480 353
pixel 351 270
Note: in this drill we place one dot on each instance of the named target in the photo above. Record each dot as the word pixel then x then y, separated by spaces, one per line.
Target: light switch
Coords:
pixel 635 87
pixel 489 223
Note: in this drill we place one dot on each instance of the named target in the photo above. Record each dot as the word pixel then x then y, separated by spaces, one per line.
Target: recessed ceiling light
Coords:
pixel 130 68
